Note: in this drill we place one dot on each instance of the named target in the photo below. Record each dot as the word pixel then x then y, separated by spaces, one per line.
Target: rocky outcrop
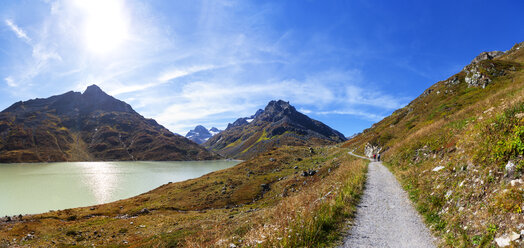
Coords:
pixel 483 69
pixel 475 78
pixel 486 56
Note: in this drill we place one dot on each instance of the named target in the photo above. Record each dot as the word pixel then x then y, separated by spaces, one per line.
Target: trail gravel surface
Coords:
pixel 385 216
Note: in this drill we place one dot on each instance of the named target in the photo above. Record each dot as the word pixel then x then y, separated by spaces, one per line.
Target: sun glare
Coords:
pixel 105 25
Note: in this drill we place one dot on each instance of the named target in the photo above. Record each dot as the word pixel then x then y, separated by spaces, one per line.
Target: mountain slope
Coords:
pixel 277 125
pixel 84 127
pixel 458 150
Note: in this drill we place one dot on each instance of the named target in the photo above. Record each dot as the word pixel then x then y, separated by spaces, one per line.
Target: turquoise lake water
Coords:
pixel 39 187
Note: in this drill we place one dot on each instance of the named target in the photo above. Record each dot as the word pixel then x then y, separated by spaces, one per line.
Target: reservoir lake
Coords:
pixel 30 188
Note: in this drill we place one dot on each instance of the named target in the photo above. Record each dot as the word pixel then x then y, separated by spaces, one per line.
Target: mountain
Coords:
pixel 89 126
pixel 200 134
pixel 278 124
pixel 458 149
pixel 214 131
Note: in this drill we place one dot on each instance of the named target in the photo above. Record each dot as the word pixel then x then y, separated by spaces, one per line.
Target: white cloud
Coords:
pixel 20 33
pixel 10 82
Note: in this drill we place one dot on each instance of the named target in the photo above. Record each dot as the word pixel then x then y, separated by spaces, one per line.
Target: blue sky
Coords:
pixel 345 63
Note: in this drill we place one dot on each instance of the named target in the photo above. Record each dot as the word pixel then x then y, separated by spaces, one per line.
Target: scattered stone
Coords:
pixel 452 81
pixel 232 245
pixel 438 168
pixel 296 168
pixel 144 211
pixel 506 239
pixel 510 169
pixel 272 159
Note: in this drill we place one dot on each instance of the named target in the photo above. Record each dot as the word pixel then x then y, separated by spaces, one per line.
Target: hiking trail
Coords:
pixel 385 216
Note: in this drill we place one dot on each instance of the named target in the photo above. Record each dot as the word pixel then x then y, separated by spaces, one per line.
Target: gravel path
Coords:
pixel 385 216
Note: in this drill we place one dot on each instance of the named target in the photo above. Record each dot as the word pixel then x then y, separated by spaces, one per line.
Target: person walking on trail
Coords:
pixel 375 157
pixel 378 157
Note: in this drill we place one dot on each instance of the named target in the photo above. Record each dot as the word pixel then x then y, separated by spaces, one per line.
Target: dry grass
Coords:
pixel 296 211
pixel 471 133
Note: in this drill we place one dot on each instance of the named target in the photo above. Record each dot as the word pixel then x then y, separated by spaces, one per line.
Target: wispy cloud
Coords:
pixel 41 55
pixel 20 33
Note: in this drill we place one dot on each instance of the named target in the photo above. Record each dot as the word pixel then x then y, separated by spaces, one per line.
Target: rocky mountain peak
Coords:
pixel 201 129
pixel 94 90
pixel 276 110
pixel 214 129
pixel 278 106
pixel 95 98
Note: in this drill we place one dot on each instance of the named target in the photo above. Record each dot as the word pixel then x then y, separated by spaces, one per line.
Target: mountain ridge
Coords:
pixel 277 125
pixel 88 126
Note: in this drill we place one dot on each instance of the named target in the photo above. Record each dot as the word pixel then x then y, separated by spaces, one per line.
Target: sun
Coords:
pixel 105 26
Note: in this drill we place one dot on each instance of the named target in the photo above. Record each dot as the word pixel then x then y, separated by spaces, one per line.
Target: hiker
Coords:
pixel 378 157
pixel 375 157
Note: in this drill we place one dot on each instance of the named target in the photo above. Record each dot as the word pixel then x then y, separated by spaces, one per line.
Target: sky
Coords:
pixel 184 63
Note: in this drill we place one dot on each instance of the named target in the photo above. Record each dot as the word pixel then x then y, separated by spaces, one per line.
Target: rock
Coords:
pixel 29 236
pixel 506 239
pixel 265 187
pixel 272 159
pixel 452 81
pixel 296 168
pixel 516 181
pixel 486 56
pixel 308 173
pixel 438 168
pixel 474 78
pixel 510 169
pixel 144 211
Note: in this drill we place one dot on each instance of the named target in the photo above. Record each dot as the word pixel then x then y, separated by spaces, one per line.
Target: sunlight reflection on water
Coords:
pixel 101 178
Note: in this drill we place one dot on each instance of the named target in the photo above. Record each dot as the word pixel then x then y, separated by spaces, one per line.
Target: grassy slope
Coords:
pixel 472 133
pixel 222 208
pixel 245 142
